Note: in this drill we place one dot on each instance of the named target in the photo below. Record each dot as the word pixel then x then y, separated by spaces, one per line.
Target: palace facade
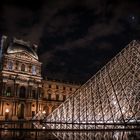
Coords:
pixel 23 92
pixel 55 93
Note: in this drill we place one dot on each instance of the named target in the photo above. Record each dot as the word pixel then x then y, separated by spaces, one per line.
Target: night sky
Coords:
pixel 75 37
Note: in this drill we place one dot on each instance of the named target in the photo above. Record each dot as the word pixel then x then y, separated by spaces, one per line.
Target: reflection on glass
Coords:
pixel 42 135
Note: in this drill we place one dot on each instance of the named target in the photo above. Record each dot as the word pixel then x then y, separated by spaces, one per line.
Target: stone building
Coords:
pixel 56 92
pixel 22 91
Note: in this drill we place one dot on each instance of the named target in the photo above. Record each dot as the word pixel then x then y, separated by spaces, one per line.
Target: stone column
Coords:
pixel 37 107
pixel 16 89
pixel 16 104
pixel 30 92
pixel 3 88
pixel 14 108
pixel 2 108
pixel 28 110
pixel 0 88
pixel 14 117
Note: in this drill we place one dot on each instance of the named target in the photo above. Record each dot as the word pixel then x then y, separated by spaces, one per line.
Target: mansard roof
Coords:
pixel 21 46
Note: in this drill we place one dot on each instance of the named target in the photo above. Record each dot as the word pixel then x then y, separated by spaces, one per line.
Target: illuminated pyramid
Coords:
pixel 111 96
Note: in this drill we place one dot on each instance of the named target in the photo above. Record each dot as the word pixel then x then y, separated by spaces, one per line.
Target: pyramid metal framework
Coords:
pixel 111 96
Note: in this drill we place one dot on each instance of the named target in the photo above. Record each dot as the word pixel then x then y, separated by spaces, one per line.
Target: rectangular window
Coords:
pixel 57 97
pixel 7 94
pixel 33 94
pixel 64 97
pixel 33 113
pixel 49 96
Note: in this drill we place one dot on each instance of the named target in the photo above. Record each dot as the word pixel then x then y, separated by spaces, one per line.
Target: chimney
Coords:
pixel 35 47
pixel 3 43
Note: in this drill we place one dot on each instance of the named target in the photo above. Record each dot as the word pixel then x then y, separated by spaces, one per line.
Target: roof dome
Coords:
pixel 21 46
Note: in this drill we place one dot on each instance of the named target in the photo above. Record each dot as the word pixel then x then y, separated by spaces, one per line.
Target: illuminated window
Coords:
pixel 10 65
pixel 22 67
pixel 40 95
pixel 33 70
pixel 8 91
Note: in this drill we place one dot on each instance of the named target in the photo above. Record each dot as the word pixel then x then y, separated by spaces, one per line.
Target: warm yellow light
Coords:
pixel 7 110
pixel 43 127
pixel 44 112
pixel 114 102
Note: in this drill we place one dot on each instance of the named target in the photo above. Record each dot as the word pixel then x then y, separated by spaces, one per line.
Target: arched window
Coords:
pixel 57 97
pixel 22 93
pixel 46 109
pixel 33 70
pixel 54 107
pixel 41 95
pixel 21 111
pixel 22 67
pixel 64 97
pixel 10 65
pixel 34 94
pixel 49 96
pixel 8 91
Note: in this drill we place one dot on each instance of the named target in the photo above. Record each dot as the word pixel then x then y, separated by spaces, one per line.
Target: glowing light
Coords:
pixel 133 17
pixel 7 110
pixel 44 112
pixel 114 102
pixel 43 127
pixel 123 110
pixel 100 105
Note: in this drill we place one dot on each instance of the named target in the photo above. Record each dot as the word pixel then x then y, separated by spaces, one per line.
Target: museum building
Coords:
pixel 23 91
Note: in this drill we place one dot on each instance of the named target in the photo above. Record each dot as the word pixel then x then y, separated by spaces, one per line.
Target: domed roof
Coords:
pixel 21 46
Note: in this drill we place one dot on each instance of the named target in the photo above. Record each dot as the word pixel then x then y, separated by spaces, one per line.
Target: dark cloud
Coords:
pixel 75 37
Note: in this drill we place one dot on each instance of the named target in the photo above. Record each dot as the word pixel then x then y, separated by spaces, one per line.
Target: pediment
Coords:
pixel 23 55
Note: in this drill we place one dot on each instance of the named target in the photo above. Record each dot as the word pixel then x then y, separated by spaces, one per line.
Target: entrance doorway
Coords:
pixel 21 110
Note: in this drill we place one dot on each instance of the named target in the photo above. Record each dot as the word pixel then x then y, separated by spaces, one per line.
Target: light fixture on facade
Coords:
pixel 7 110
pixel 44 112
pixel 43 127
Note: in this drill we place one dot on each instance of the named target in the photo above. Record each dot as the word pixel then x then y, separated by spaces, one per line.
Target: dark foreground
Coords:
pixel 27 131
pixel 34 135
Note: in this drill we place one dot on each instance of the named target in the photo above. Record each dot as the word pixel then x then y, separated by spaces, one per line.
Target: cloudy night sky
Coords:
pixel 75 37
